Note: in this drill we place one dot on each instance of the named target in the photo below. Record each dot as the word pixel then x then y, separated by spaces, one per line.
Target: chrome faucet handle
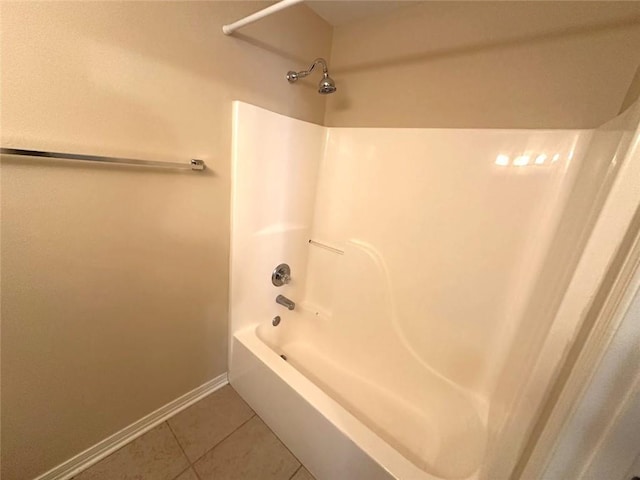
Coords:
pixel 281 275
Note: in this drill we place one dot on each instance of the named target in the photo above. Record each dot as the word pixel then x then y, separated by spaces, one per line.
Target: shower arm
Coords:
pixel 326 85
pixel 304 73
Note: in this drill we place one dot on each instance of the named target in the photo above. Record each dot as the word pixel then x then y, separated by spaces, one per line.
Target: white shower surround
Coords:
pixel 443 247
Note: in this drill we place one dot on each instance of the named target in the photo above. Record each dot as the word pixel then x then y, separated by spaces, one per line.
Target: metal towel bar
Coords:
pixel 195 164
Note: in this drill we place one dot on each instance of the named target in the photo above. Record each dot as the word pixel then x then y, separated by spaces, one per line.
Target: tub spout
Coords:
pixel 284 301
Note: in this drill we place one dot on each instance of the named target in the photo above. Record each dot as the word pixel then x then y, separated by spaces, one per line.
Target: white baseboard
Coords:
pixel 92 455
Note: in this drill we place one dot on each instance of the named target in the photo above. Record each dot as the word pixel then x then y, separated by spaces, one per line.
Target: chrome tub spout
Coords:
pixel 284 301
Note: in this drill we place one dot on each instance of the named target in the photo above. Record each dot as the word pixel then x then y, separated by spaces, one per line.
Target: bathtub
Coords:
pixel 343 425
pixel 327 439
pixel 428 268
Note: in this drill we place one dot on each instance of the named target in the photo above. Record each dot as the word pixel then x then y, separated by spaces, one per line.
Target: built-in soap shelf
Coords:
pixel 326 246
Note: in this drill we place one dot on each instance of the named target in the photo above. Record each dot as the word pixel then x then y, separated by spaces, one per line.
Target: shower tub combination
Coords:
pixel 428 267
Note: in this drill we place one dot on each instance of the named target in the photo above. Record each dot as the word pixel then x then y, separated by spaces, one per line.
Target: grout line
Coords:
pixel 191 467
pixel 195 472
pixel 283 444
pixel 192 464
pixel 234 431
pixel 177 476
pixel 178 442
pixel 297 470
pixel 113 443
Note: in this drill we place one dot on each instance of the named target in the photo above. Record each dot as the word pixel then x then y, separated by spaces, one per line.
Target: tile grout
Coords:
pixel 222 440
pixel 195 472
pixel 285 446
pixel 275 435
pixel 191 466
pixel 185 470
pixel 297 469
pixel 178 441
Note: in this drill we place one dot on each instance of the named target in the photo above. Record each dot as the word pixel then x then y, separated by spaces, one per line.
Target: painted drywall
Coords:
pixel 115 279
pixel 633 93
pixel 486 65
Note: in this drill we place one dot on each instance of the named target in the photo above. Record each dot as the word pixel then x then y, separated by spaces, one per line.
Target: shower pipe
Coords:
pixel 254 17
pixel 195 164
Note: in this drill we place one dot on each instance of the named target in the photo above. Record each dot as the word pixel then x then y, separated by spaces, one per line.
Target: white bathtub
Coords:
pixel 410 352
pixel 330 442
pixel 408 420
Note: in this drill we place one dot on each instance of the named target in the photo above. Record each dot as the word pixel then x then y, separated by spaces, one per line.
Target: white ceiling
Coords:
pixel 341 12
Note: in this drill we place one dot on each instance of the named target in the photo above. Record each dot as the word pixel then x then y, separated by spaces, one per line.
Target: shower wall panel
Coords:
pixel 273 194
pixel 459 221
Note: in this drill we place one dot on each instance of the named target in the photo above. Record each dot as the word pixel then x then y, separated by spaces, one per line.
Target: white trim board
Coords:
pixel 100 450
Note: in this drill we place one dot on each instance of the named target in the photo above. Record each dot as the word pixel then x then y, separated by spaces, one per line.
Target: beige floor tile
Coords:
pixel 154 456
pixel 252 452
pixel 303 474
pixel 204 424
pixel 188 475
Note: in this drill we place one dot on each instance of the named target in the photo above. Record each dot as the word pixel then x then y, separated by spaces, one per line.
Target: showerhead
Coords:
pixel 326 85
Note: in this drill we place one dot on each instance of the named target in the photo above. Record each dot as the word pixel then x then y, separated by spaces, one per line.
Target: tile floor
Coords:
pixel 219 438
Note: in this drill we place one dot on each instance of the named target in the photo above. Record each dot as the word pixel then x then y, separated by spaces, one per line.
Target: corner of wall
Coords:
pixel 633 93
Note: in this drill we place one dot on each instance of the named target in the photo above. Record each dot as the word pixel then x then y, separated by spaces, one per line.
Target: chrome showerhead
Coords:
pixel 326 85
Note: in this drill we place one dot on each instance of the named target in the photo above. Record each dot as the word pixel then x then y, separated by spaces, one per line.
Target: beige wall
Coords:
pixel 486 64
pixel 633 93
pixel 115 280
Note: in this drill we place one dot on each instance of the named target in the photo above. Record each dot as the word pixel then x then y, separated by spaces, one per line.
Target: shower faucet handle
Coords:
pixel 281 275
